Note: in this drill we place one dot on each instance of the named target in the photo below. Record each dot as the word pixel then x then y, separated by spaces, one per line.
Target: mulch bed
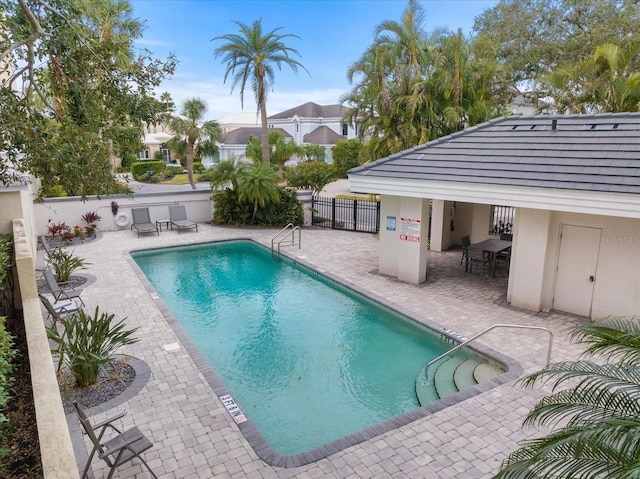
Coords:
pixel 23 460
pixel 112 381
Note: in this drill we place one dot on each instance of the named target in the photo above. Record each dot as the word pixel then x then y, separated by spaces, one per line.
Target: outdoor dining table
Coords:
pixel 492 247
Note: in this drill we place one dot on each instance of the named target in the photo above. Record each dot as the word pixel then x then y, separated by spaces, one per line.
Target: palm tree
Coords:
pixel 615 87
pixel 251 55
pixel 258 184
pixel 198 138
pixel 599 410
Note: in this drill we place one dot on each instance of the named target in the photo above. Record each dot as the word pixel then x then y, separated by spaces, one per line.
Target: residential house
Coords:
pixel 572 182
pixel 305 124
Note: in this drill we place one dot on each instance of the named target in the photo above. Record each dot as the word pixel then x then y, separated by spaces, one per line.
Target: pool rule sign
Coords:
pixel 235 411
pixel 410 229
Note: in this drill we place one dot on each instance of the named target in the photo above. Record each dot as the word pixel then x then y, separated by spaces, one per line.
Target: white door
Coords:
pixel 576 273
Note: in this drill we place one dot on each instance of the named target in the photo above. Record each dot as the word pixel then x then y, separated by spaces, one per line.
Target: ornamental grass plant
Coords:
pixel 89 342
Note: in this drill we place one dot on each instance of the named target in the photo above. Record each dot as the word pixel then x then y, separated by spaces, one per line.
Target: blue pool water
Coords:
pixel 307 360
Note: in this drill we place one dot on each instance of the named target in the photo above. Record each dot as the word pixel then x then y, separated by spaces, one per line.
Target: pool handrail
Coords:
pixel 482 333
pixel 290 230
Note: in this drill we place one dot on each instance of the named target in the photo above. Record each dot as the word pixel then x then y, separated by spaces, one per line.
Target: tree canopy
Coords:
pixel 74 91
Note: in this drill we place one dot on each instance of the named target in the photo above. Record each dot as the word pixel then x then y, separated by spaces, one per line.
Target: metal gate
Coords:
pixel 346 214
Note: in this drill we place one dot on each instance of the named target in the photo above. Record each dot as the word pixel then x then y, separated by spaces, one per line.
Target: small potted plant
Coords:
pixel 91 218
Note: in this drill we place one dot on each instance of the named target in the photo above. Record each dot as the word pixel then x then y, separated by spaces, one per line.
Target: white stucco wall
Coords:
pixel 535 259
pixel 398 257
pixel 70 210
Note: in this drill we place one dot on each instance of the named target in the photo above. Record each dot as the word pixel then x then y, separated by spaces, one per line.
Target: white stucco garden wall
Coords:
pixel 69 210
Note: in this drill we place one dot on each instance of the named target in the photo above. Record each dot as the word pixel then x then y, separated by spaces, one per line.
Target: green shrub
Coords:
pixel 140 168
pixel 6 251
pixel 158 155
pixel 229 211
pixel 7 353
pixel 287 210
pixel 56 191
pixel 346 156
pixel 314 175
pixel 64 264
pixel 174 170
pixel 198 167
pixel 89 343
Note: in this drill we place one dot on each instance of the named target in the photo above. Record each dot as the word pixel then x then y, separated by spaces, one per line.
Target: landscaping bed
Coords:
pixel 23 460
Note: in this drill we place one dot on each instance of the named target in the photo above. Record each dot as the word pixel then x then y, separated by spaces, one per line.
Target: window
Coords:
pixel 297 127
pixel 144 154
pixel 166 154
pixel 345 129
pixel 501 220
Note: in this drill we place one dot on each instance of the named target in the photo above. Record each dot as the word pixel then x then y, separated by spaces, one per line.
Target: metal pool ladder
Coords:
pixel 482 333
pixel 287 233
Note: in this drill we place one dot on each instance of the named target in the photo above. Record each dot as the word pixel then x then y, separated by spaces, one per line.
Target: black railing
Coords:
pixel 346 214
pixel 501 220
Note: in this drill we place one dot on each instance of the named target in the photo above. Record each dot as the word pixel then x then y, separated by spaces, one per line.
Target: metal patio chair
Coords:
pixel 142 221
pixel 120 449
pixel 178 218
pixel 477 258
pixel 466 242
pixel 61 292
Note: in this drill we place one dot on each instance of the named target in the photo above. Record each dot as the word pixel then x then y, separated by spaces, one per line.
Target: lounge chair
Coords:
pixel 118 450
pixel 178 217
pixel 142 221
pixel 60 292
pixel 59 308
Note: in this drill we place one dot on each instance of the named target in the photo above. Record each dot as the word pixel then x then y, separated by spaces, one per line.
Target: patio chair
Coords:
pixel 178 217
pixel 142 221
pixel 466 242
pixel 478 258
pixel 506 236
pixel 116 451
pixel 61 292
pixel 59 309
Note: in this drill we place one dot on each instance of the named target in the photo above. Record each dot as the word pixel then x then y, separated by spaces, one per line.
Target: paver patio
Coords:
pixel 195 437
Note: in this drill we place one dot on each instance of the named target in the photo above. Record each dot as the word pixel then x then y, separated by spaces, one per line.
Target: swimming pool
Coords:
pixel 309 362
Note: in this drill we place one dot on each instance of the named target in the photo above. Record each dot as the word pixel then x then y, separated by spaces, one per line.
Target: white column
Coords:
pixel 528 253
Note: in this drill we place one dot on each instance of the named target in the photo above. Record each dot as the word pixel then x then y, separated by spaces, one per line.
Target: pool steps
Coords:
pixel 452 375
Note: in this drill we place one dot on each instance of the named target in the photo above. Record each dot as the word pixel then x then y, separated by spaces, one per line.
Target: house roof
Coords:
pixel 240 136
pixel 312 110
pixel 596 153
pixel 323 135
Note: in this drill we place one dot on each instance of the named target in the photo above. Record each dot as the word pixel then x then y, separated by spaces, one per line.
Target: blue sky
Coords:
pixel 333 34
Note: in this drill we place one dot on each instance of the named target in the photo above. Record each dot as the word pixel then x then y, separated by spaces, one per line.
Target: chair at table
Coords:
pixel 118 450
pixel 479 259
pixel 142 221
pixel 506 236
pixel 504 257
pixel 466 242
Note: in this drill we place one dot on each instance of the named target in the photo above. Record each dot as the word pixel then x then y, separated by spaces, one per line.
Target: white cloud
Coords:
pixel 222 103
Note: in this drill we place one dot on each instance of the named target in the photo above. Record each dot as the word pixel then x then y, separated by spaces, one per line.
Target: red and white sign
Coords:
pixel 410 229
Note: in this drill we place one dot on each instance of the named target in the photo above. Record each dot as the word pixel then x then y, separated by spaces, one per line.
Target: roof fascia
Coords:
pixel 586 202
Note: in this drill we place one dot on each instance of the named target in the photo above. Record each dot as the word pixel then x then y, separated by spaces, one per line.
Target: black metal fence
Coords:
pixel 346 214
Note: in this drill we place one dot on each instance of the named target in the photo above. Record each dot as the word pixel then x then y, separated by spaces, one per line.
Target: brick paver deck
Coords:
pixel 195 437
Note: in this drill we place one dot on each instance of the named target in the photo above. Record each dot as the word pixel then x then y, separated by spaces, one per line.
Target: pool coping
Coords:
pixel 250 431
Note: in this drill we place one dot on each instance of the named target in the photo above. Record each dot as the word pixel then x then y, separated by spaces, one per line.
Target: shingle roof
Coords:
pixel 323 135
pixel 240 136
pixel 312 110
pixel 583 152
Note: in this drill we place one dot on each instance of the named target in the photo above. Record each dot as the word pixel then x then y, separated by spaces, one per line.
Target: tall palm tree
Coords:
pixel 198 137
pixel 598 411
pixel 251 55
